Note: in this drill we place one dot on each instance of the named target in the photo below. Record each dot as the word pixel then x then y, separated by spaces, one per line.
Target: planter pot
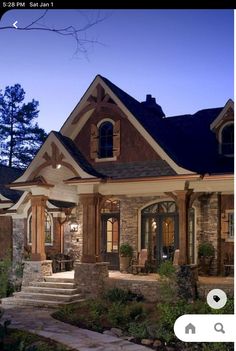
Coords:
pixel 124 263
pixel 205 264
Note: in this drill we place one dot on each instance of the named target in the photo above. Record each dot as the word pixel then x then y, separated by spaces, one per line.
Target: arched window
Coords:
pixel 48 229
pixel 106 140
pixel 227 139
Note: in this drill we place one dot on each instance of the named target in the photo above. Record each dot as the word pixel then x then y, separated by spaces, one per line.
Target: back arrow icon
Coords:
pixel 15 24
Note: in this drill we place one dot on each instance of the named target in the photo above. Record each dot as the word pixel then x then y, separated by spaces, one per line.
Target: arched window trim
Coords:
pixel 220 137
pixel 103 122
pixel 150 203
pixel 28 228
pixel 106 120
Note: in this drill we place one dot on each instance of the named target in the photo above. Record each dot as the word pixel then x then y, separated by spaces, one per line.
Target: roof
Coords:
pixel 8 175
pixel 187 139
pixel 136 169
pixel 77 155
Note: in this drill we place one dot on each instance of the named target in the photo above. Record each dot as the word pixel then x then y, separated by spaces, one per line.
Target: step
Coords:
pixel 54 285
pixel 59 280
pixel 14 302
pixel 46 297
pixel 49 290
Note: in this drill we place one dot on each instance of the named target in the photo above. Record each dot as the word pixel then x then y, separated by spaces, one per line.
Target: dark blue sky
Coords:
pixel 182 57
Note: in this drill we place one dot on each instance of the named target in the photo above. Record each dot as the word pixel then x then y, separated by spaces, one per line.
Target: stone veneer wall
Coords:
pixel 129 211
pixel 90 278
pixel 18 242
pixel 149 289
pixel 207 222
pixel 73 242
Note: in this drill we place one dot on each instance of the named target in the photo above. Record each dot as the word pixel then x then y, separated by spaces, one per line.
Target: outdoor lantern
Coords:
pixel 74 226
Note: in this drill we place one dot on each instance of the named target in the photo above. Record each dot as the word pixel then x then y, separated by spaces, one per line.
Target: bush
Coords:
pixel 5 267
pixel 138 330
pixel 121 295
pixel 206 249
pixel 126 250
pixel 166 269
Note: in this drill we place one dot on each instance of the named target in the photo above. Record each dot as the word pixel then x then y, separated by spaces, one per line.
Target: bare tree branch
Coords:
pixel 71 31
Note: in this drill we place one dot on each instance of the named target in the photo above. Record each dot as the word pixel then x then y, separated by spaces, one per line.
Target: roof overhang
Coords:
pixel 217 121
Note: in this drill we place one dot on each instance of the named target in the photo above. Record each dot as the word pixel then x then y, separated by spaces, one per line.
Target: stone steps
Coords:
pixel 50 290
pixel 47 297
pixel 50 293
pixel 17 302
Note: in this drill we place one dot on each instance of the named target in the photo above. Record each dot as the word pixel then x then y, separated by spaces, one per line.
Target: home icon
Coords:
pixel 190 328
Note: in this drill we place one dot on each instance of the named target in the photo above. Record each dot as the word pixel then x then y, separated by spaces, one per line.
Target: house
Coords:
pixel 190 328
pixel 118 171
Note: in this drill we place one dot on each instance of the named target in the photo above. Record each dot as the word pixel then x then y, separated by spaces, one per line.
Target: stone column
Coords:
pixel 91 228
pixel 38 203
pixel 182 201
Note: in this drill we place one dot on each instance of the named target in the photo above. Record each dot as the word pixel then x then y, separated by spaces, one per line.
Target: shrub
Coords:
pixel 126 250
pixel 138 330
pixel 121 295
pixel 206 249
pixel 166 269
pixel 5 267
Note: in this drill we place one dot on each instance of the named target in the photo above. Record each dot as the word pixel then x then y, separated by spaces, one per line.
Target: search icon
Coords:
pixel 219 328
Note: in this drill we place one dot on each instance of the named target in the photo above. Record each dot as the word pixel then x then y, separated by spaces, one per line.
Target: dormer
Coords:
pixel 223 127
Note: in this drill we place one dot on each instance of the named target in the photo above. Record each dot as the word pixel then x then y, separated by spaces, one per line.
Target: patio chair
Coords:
pixel 62 262
pixel 139 265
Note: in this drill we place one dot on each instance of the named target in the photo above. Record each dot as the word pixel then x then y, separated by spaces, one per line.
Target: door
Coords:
pixel 110 240
pixel 167 237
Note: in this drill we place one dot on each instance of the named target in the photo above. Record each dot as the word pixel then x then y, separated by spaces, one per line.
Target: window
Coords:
pixel 227 139
pixel 105 140
pixel 112 235
pixel 231 225
pixel 48 228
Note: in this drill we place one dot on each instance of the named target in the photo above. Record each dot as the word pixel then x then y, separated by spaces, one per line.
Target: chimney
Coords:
pixel 151 105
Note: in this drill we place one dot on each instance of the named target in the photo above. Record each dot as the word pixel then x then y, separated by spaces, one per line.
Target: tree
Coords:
pixel 20 135
pixel 77 33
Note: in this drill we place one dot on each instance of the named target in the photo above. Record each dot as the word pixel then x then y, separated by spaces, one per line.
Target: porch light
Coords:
pixel 74 226
pixel 58 166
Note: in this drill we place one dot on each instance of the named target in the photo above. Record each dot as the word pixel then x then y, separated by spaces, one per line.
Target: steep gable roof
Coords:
pixel 77 155
pixel 187 139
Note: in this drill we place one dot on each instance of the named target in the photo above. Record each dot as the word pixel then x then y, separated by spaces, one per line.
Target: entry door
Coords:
pixel 110 240
pixel 167 237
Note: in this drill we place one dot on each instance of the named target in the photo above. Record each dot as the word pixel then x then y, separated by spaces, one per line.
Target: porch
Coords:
pixel 149 284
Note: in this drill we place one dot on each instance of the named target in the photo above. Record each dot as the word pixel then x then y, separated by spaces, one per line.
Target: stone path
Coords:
pixel 40 322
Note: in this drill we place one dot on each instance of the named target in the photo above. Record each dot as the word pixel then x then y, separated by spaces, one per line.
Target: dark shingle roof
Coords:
pixel 8 175
pixel 77 155
pixel 187 139
pixel 140 169
pixel 62 204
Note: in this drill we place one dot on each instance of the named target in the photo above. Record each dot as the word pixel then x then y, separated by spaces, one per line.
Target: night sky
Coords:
pixel 184 58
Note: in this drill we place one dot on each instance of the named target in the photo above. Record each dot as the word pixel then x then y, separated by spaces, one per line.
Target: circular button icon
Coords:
pixel 216 298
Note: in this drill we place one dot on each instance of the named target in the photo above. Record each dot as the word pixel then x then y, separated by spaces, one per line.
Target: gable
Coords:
pixel 101 97
pixel 57 154
pixel 225 116
pixel 130 139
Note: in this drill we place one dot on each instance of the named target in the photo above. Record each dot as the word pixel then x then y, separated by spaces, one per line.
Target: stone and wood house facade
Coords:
pixel 121 171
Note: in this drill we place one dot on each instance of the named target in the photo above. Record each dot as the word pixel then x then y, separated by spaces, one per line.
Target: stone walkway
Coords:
pixel 40 322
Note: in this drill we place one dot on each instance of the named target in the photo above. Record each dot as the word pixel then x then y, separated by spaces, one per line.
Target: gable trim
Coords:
pixel 68 129
pixel 215 123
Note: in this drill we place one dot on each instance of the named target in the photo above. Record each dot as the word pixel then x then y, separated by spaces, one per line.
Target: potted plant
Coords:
pixel 126 254
pixel 206 254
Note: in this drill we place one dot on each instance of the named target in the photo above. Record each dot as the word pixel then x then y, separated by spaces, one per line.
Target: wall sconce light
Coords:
pixel 58 166
pixel 74 226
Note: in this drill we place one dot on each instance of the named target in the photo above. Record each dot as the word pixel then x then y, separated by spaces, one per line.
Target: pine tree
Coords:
pixel 20 135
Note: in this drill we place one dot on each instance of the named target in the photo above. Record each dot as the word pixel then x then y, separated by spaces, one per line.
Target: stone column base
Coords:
pixel 36 270
pixel 90 278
